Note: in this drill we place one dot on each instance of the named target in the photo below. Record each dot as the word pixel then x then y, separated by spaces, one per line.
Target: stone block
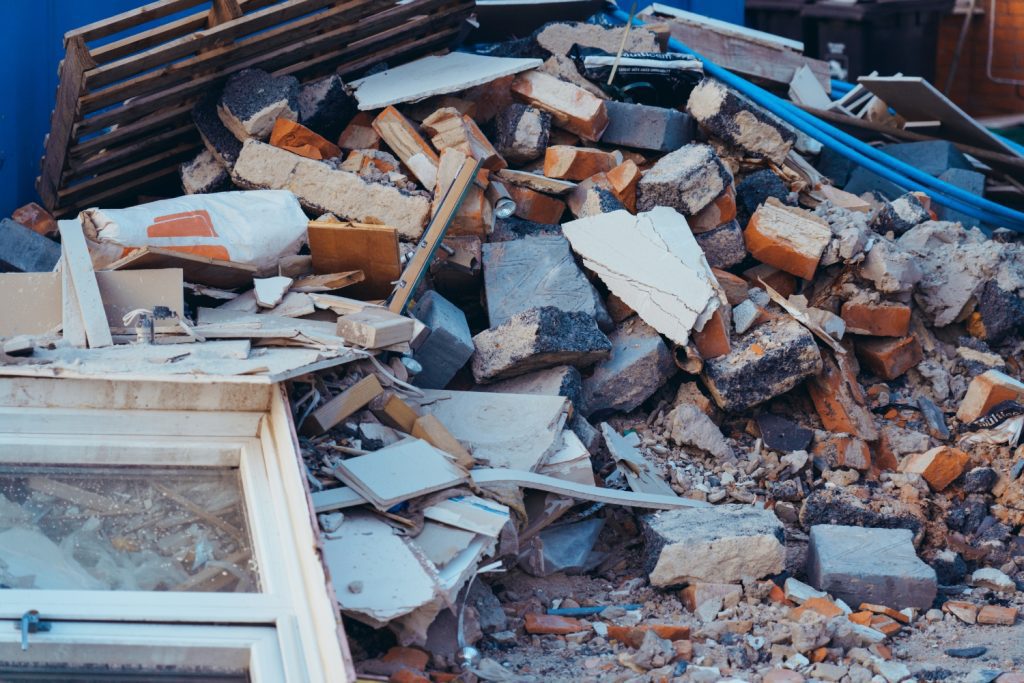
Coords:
pixel 533 272
pixel 25 250
pixel 449 345
pixel 724 246
pixel 639 364
pixel 879 566
pixel 522 133
pixel 788 238
pixel 536 339
pixel 253 100
pixel 644 127
pixel 321 189
pixel 985 391
pixel 721 544
pixel 733 118
pixel 765 363
pixel 889 357
pixel 687 180
pixel 325 107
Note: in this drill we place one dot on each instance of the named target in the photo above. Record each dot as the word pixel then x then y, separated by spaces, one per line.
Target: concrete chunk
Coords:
pixel 721 544
pixel 522 133
pixel 728 115
pixel 533 272
pixel 253 100
pixel 449 345
pixel 767 362
pixel 900 215
pixel 879 566
pixel 23 249
pixel 536 339
pixel 322 189
pixel 723 246
pixel 220 141
pixel 639 364
pixel 687 180
pixel 644 127
pixel 755 189
pixel 325 107
pixel 933 157
pixel 561 380
pixel 204 174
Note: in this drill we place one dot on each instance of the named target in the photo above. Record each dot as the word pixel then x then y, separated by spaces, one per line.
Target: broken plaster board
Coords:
pixel 652 262
pixel 377 575
pixel 571 462
pixel 640 474
pixel 31 303
pixel 442 543
pixel 471 513
pixel 434 75
pixel 518 431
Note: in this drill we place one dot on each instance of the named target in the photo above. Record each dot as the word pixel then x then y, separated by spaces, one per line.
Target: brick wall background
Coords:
pixel 972 89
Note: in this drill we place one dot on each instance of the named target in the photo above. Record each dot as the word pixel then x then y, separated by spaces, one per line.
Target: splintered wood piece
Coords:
pixel 408 145
pixel 327 282
pixel 198 269
pixel 342 406
pixel 83 282
pixel 394 412
pixel 433 431
pixel 374 329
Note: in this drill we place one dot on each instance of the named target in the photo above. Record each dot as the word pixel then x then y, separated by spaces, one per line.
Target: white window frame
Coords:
pixel 69 423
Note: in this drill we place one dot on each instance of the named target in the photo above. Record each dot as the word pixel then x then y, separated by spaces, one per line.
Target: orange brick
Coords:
pixel 451 129
pixel 819 654
pixel 358 161
pixel 985 391
pixel 576 163
pixel 844 451
pixel 408 145
pixel 884 319
pixel 359 133
pixel 571 107
pixel 889 627
pixel 36 217
pixel 822 606
pixel 694 595
pixel 779 280
pixel 548 624
pixel 300 140
pixel 883 459
pixel 617 308
pixel 623 180
pixel 536 206
pixel 718 212
pixel 889 357
pixel 840 402
pixel 634 635
pixel 776 594
pixel 994 614
pixel 409 657
pixel 862 618
pixel 966 612
pixel 887 611
pixel 713 340
pixel 788 238
pixel 684 650
pixel 939 466
pixel 734 286
pixel 408 676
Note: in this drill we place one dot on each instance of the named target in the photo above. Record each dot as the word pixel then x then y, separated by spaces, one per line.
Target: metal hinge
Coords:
pixel 31 623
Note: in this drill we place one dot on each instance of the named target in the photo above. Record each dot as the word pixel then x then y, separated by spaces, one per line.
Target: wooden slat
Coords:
pixel 72 77
pixel 126 20
pixel 123 189
pixel 223 11
pixel 222 56
pixel 162 119
pixel 126 172
pixel 113 158
pixel 187 45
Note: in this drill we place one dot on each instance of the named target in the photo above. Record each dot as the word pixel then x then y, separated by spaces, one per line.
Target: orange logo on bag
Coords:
pixel 188 224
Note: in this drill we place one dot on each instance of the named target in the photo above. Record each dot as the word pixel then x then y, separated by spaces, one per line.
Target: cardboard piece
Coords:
pixel 30 303
pixel 198 269
pixel 472 513
pixel 338 247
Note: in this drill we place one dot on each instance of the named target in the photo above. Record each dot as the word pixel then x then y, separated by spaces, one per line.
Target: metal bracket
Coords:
pixel 31 623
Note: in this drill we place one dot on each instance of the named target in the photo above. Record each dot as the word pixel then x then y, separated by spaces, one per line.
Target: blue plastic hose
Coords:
pixel 853 149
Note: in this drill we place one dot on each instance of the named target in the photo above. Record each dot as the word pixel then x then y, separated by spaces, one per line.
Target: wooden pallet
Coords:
pixel 122 118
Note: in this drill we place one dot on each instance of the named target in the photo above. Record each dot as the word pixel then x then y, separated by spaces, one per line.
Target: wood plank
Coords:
pixel 174 155
pixel 327 282
pixel 30 303
pixel 222 11
pixel 916 99
pixel 135 17
pixel 140 128
pixel 432 236
pixel 73 327
pixel 120 190
pixel 375 329
pixel 342 406
pixel 113 158
pixel 83 280
pixel 71 80
pixel 195 268
pixel 337 247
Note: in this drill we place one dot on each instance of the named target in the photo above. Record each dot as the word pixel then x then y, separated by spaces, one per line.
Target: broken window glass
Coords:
pixel 124 528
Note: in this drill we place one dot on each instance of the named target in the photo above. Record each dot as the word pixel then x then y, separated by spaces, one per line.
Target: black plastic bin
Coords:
pixel 781 17
pixel 895 36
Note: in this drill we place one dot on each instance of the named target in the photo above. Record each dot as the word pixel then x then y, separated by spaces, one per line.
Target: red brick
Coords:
pixel 571 107
pixel 623 180
pixel 634 635
pixel 994 614
pixel 985 391
pixel 546 624
pixel 939 466
pixel 884 319
pixel 713 340
pixel 576 163
pixel 536 206
pixel 788 238
pixel 889 357
pixel 36 217
pixel 718 212
pixel 779 280
pixel 839 400
pixel 845 451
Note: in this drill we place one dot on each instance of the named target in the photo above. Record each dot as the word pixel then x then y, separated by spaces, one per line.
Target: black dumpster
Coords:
pixel 888 36
pixel 781 17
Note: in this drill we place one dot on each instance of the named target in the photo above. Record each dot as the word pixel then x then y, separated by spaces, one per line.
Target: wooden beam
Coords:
pixel 83 281
pixel 342 406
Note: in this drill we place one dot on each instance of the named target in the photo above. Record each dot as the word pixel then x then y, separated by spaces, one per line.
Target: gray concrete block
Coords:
pixel 970 181
pixel 536 339
pixel 25 250
pixel 644 127
pixel 448 346
pixel 562 380
pixel 253 100
pixel 220 141
pixel 533 272
pixel 879 566
pixel 686 180
pixel 862 180
pixel 325 107
pixel 639 364
pixel 766 362
pixel 723 246
pixel 933 157
pixel 720 544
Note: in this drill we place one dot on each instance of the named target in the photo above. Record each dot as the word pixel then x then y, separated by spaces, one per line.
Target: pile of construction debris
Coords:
pixel 587 389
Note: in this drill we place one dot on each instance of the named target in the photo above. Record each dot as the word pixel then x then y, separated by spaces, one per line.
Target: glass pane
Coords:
pixel 124 528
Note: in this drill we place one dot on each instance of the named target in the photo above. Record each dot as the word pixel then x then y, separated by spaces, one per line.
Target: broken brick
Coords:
pixel 887 611
pixel 36 217
pixel 594 196
pixel 359 133
pixel 844 451
pixel 822 606
pixel 765 275
pixel 552 624
pixel 788 238
pixel 986 390
pixel 522 133
pixel 718 212
pixel 624 180
pixel 724 246
pixel 298 139
pixel 571 107
pixel 687 180
pixel 939 466
pixel 889 357
pixel 734 286
pixel 731 117
pixel 577 163
pixel 696 594
pixel 840 402
pixel 712 341
pixel 536 206
pixel 964 611
pixel 451 129
pixel 996 615
pixel 411 149
pixel 882 319
pixel 634 635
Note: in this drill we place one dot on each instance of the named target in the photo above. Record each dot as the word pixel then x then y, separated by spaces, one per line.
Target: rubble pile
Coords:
pixel 585 388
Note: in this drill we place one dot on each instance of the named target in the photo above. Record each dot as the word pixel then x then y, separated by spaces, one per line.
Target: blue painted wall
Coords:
pixel 31 46
pixel 726 10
